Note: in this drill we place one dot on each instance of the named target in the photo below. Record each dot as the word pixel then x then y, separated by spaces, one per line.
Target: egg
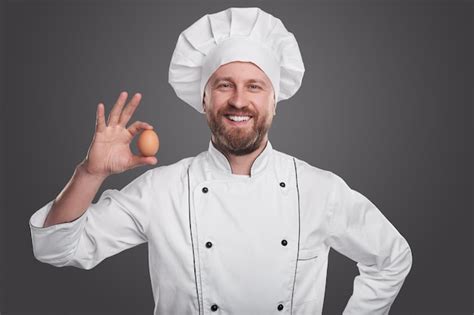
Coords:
pixel 148 143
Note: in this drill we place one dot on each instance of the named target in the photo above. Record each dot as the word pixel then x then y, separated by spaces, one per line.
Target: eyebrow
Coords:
pixel 216 80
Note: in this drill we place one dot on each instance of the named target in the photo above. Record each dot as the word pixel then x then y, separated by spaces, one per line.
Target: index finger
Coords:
pixel 117 109
pixel 100 119
pixel 130 109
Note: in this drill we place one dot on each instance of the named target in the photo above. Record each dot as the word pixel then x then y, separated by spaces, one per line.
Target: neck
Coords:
pixel 242 164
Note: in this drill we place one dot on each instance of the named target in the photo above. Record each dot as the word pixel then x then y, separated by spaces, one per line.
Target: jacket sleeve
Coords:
pixel 358 230
pixel 117 221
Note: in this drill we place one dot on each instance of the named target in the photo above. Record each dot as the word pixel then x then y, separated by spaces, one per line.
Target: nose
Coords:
pixel 238 99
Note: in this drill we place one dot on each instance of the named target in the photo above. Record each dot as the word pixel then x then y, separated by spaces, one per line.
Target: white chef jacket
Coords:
pixel 221 243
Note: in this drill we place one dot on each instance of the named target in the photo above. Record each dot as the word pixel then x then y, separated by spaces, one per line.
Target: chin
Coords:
pixel 241 146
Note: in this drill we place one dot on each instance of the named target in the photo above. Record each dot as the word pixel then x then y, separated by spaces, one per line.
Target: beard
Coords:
pixel 237 140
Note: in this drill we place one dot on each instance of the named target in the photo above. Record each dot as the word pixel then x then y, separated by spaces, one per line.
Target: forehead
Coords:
pixel 239 70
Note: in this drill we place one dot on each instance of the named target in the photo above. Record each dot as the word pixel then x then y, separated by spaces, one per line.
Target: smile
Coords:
pixel 238 118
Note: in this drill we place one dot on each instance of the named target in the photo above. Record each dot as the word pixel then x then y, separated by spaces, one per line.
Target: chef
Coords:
pixel 241 228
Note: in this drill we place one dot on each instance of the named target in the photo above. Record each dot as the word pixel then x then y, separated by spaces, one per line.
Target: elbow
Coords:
pixel 398 265
pixel 408 260
pixel 402 264
pixel 56 262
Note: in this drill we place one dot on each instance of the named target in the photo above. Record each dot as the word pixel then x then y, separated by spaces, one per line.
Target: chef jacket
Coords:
pixel 221 243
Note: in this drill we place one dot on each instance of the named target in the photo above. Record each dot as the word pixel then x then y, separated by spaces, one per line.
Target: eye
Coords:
pixel 224 85
pixel 254 86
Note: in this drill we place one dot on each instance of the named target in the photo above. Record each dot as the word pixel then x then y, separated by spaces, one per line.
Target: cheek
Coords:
pixel 267 107
pixel 264 99
pixel 211 110
pixel 219 97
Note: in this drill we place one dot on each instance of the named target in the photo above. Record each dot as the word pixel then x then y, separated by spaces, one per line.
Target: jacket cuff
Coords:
pixel 55 244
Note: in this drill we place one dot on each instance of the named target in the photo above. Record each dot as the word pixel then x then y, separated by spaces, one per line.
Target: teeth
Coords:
pixel 239 118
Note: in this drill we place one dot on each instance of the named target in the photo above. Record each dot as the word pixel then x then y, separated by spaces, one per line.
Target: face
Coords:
pixel 239 106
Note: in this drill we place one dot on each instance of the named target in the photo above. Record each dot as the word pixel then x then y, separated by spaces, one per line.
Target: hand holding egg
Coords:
pixel 109 152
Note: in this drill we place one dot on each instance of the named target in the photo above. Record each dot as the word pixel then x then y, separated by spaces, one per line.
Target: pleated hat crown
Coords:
pixel 235 34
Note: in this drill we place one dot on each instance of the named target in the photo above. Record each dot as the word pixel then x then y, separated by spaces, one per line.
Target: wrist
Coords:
pixel 82 171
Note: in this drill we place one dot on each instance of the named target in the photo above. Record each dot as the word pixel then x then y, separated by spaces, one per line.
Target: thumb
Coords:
pixel 144 160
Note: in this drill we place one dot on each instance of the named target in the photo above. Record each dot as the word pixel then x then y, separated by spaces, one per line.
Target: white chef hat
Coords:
pixel 235 34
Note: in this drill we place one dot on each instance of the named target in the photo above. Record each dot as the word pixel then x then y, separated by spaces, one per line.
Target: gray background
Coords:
pixel 386 103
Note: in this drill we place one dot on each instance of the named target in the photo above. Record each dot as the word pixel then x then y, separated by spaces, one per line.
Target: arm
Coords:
pixel 109 153
pixel 361 232
pixel 75 198
pixel 118 221
pixel 71 231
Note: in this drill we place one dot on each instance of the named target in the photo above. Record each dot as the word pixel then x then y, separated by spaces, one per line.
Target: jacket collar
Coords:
pixel 220 162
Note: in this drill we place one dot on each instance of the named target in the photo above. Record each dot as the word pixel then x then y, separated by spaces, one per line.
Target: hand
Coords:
pixel 109 152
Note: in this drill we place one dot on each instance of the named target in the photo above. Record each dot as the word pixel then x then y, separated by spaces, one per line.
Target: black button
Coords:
pixel 284 243
pixel 282 184
pixel 280 307
pixel 205 190
pixel 214 307
pixel 208 244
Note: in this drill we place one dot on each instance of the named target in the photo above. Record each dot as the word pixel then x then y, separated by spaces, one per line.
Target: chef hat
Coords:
pixel 235 34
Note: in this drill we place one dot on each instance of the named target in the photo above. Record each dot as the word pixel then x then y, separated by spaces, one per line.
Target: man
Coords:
pixel 241 228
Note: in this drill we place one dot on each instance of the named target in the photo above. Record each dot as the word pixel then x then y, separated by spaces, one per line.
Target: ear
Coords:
pixel 274 105
pixel 204 102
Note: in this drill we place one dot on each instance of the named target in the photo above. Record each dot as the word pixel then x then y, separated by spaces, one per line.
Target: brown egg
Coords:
pixel 148 143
